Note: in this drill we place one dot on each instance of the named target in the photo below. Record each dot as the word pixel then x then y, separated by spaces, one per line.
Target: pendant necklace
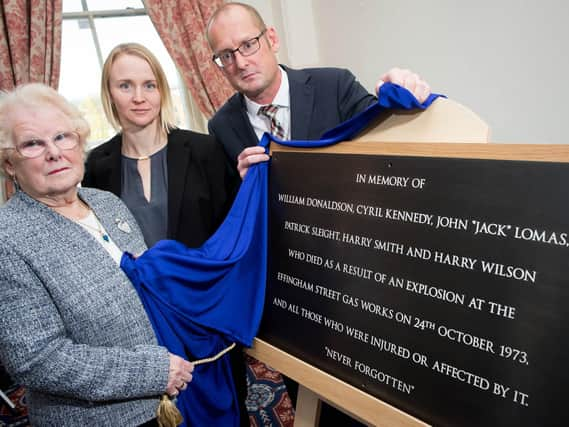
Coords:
pixel 158 143
pixel 98 229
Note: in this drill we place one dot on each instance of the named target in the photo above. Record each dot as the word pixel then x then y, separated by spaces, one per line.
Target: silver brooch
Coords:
pixel 123 226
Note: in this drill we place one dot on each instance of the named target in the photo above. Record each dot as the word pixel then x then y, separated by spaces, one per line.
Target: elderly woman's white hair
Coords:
pixel 34 96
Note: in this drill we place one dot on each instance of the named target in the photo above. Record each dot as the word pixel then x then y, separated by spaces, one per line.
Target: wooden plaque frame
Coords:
pixel 315 384
pixel 446 121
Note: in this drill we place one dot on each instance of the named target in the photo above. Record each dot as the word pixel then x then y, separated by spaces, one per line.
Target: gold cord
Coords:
pixel 214 358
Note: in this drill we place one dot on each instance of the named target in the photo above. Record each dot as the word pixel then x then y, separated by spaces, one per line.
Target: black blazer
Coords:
pixel 201 185
pixel 320 98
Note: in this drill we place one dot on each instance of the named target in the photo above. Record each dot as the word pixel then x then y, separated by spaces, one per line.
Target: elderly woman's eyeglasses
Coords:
pixel 227 57
pixel 34 147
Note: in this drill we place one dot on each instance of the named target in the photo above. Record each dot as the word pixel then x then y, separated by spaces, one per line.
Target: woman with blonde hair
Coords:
pixel 177 183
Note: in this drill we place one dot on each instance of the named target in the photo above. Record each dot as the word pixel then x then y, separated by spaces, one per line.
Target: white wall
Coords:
pixel 296 26
pixel 505 59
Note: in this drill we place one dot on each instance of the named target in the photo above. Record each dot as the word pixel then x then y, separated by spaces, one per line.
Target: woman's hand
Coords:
pixel 179 375
pixel 248 157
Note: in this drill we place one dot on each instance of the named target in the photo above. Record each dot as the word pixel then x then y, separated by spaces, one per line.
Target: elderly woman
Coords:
pixel 72 328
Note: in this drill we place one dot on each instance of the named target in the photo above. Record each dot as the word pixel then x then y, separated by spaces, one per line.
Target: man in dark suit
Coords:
pixel 309 101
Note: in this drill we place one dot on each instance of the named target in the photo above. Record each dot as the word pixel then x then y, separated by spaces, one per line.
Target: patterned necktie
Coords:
pixel 270 111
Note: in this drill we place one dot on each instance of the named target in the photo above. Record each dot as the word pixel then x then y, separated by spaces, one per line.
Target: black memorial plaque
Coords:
pixel 438 285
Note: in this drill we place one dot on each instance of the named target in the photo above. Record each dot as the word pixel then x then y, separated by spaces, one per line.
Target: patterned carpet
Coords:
pixel 17 417
pixel 267 402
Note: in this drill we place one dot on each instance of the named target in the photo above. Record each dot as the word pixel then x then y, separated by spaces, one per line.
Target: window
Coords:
pixel 91 28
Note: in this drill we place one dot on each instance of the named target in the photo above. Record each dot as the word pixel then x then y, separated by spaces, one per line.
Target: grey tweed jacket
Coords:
pixel 72 328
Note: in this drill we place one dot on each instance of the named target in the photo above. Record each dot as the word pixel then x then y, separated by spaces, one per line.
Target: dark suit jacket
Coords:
pixel 320 98
pixel 200 183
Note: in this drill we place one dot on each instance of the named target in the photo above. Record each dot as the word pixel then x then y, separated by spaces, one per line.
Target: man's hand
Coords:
pixel 407 79
pixel 248 157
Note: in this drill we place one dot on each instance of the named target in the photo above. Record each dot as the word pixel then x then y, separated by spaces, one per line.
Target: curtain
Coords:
pixel 181 25
pixel 30 42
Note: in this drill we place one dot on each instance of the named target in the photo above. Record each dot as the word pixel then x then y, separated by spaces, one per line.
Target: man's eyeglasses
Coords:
pixel 247 48
pixel 33 148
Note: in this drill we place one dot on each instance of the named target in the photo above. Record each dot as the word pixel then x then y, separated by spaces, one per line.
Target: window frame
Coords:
pixel 89 16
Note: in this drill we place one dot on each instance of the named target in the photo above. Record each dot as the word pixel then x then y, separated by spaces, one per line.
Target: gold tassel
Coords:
pixel 167 413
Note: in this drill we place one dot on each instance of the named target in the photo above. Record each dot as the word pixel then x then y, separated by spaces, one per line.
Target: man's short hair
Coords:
pixel 253 13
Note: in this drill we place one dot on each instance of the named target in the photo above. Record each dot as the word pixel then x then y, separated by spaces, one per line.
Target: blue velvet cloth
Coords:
pixel 201 300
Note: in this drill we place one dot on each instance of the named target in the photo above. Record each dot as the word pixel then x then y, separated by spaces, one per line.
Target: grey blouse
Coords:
pixel 151 216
